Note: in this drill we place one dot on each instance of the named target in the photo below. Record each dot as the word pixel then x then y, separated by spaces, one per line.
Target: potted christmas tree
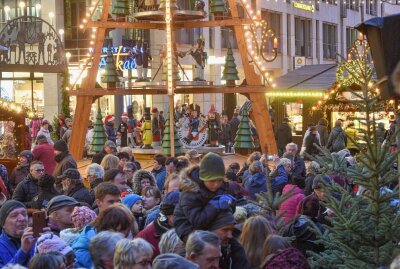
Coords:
pixel 230 73
pixel 218 8
pixel 166 145
pixel 121 9
pixel 110 76
pixel 99 134
pixel 244 142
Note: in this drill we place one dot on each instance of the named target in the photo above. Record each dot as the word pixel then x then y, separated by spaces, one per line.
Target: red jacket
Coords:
pixel 45 153
pixel 289 206
pixel 150 235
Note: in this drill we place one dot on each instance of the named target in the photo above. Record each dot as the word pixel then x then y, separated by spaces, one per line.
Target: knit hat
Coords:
pixel 224 218
pixel 320 181
pixel 27 154
pixel 6 209
pixel 70 173
pixel 130 199
pixel 212 167
pixel 173 261
pixel 61 145
pixel 110 144
pixel 59 202
pixel 49 242
pixel 169 202
pixel 81 216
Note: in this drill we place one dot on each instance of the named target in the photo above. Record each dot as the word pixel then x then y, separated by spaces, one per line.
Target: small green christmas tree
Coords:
pixel 365 228
pixel 111 76
pixel 121 8
pixel 166 145
pixel 99 134
pixel 218 8
pixel 230 73
pixel 244 141
pixel 173 4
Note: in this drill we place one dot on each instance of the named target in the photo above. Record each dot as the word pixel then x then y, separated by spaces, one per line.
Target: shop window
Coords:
pixel 351 36
pixel 371 7
pixel 329 33
pixel 331 2
pixel 294 112
pixel 303 37
pixel 353 5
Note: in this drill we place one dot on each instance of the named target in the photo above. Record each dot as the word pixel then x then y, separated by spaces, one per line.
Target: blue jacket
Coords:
pixel 160 176
pixel 110 132
pixel 278 182
pixel 255 183
pixel 11 252
pixel 81 247
pixel 299 169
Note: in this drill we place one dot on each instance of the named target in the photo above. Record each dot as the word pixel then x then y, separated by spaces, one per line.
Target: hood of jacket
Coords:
pixel 137 177
pixel 258 179
pixel 190 180
pixel 294 188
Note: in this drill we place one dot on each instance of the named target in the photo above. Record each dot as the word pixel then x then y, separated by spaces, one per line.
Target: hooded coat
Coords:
pixel 255 183
pixel 289 207
pixel 193 212
pixel 137 177
pixel 81 247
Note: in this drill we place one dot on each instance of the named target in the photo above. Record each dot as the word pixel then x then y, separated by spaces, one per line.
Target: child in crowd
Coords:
pixel 135 203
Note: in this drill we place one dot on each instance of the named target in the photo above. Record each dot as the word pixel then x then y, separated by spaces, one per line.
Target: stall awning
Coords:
pixel 308 80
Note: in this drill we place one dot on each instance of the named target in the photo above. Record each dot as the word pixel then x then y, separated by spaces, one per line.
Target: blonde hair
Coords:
pixel 255 156
pixel 128 252
pixel 109 161
pixel 255 231
pixel 170 178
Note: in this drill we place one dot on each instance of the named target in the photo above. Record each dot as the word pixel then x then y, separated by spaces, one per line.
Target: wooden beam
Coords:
pixel 260 113
pixel 84 103
pixel 126 25
pixel 163 90
pixel 218 23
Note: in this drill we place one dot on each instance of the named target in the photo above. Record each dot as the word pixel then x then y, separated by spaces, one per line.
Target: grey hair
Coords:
pixel 127 252
pixel 292 145
pixel 13 266
pixel 131 166
pixel 314 166
pixel 127 150
pixel 285 161
pixel 109 161
pixel 103 246
pixel 95 169
pixel 171 243
pixel 198 240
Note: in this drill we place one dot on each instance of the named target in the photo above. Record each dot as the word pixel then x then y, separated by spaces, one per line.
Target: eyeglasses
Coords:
pixel 144 263
pixel 40 170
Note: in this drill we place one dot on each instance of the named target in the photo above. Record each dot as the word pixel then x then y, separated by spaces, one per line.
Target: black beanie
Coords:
pixel 224 218
pixel 6 209
pixel 61 145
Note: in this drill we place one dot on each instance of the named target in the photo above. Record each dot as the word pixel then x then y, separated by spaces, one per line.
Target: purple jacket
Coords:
pixel 289 207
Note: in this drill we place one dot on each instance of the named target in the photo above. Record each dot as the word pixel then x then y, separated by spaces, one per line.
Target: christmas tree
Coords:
pixel 121 8
pixel 365 228
pixel 244 142
pixel 173 4
pixel 166 145
pixel 110 76
pixel 99 134
pixel 217 7
pixel 230 73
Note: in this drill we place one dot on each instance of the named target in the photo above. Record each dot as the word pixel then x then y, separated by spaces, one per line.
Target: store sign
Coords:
pixel 303 6
pixel 122 61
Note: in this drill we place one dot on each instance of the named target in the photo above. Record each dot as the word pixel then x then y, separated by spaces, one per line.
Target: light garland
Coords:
pixel 294 94
pixel 16 108
pixel 168 20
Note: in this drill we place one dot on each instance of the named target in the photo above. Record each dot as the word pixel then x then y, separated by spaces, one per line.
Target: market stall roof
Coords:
pixel 317 77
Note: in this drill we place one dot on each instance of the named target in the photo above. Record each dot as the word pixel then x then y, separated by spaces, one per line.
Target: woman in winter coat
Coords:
pixel 21 171
pixel 256 182
pixel 310 140
pixel 322 129
pixel 142 179
pixel 288 208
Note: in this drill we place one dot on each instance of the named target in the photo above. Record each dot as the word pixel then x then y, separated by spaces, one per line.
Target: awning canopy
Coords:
pixel 308 78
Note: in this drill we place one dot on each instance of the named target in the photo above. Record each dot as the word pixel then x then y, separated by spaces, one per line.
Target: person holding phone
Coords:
pixel 16 240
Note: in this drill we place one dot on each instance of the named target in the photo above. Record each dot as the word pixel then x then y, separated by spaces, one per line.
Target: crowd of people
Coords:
pixel 191 211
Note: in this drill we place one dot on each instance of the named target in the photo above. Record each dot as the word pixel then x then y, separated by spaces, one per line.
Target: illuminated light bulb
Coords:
pixel 7 9
pixel 91 42
pixel 68 55
pixel 61 31
pixel 84 20
pixel 51 15
pixel 81 26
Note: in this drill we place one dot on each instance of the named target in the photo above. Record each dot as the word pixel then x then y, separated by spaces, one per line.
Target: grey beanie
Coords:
pixel 173 261
pixel 6 209
pixel 212 167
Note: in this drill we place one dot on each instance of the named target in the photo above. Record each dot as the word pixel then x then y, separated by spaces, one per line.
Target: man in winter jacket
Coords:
pixel 59 212
pixel 28 188
pixel 298 170
pixel 283 135
pixel 73 187
pixel 44 152
pixel 21 171
pixel 233 254
pixel 337 139
pixel 64 161
pixel 16 241
pixel 203 196
pixel 159 171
